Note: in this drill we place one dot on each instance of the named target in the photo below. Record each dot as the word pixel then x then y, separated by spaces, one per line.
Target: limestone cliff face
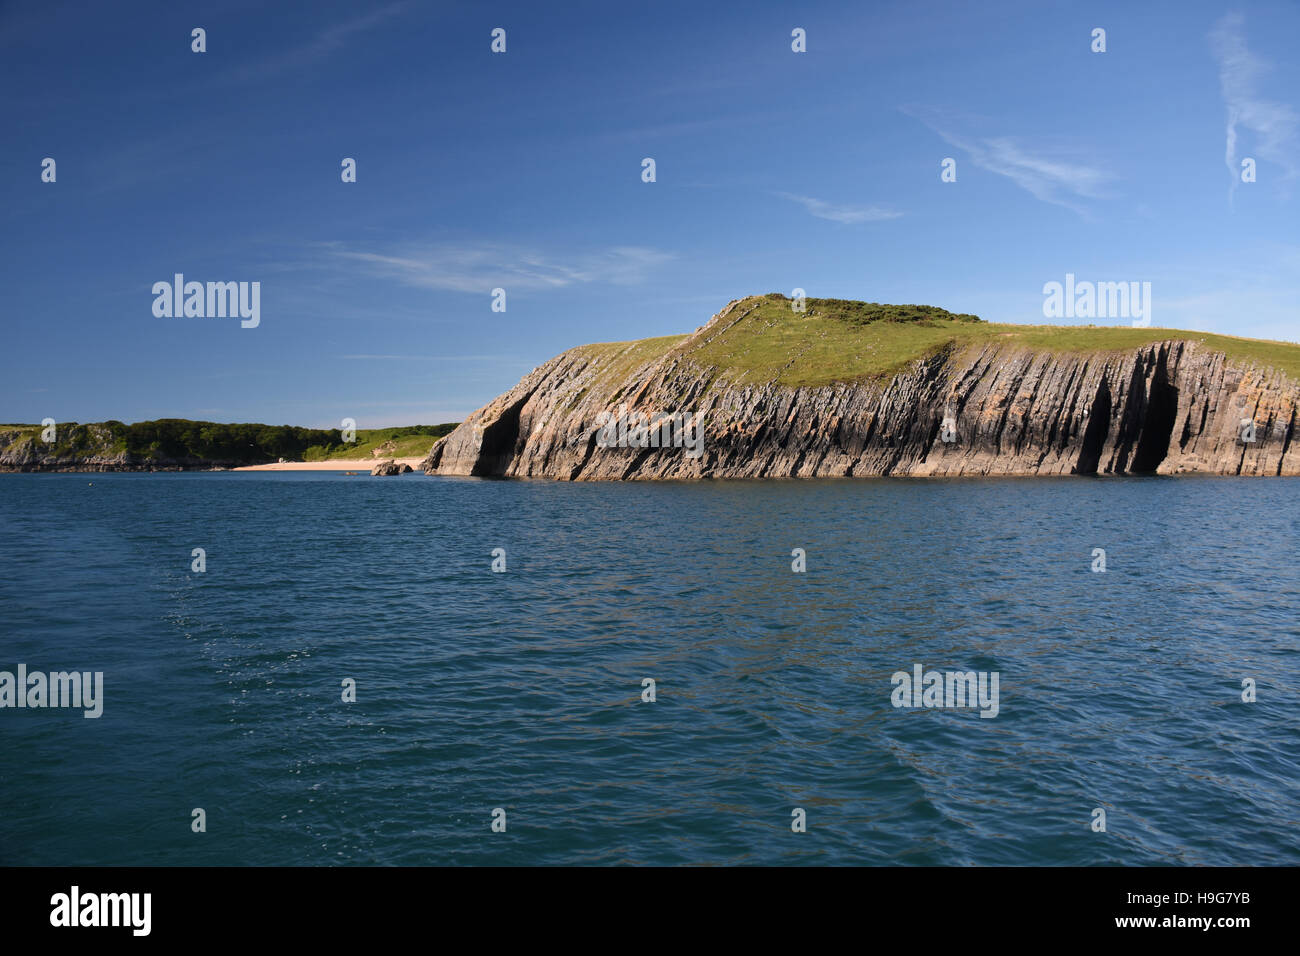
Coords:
pixel 1170 407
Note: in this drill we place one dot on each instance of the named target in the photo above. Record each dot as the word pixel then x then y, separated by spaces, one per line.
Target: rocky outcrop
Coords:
pixel 1167 407
pixel 391 467
pixel 93 447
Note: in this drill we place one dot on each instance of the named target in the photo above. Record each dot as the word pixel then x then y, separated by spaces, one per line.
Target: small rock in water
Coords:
pixel 390 467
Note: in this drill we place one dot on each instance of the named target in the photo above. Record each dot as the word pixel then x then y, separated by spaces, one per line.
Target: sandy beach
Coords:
pixel 362 465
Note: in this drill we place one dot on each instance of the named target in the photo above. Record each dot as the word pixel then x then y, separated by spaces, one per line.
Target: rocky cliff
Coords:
pixel 94 447
pixel 1171 405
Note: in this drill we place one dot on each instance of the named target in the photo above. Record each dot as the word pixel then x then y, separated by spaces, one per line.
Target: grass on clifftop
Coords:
pixel 618 360
pixel 836 340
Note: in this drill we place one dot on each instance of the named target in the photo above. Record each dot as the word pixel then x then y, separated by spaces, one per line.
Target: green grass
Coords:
pixel 840 341
pixel 618 360
pixel 410 442
pixel 1283 356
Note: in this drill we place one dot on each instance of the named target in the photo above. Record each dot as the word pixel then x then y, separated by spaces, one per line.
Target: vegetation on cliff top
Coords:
pixel 837 340
pixel 411 441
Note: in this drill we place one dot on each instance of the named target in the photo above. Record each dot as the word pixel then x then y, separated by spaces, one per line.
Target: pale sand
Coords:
pixel 362 465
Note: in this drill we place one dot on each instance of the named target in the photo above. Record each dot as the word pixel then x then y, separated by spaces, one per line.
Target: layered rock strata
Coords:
pixel 1168 407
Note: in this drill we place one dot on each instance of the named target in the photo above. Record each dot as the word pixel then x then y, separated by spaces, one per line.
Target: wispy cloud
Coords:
pixel 315 48
pixel 841 213
pixel 1060 181
pixel 478 267
pixel 1274 124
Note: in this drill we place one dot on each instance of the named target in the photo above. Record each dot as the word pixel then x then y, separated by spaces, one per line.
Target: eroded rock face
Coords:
pixel 391 467
pixel 1172 407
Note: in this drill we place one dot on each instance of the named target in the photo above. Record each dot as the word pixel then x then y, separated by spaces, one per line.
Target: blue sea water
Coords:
pixel 522 690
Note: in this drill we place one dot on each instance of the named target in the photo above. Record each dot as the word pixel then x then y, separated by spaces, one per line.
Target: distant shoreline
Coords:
pixel 177 444
pixel 333 464
pixel 359 465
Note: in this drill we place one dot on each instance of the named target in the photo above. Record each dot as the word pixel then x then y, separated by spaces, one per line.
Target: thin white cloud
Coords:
pixel 479 267
pixel 1061 182
pixel 1274 124
pixel 316 48
pixel 840 213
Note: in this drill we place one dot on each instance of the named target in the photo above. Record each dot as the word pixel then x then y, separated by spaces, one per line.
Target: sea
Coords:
pixel 320 669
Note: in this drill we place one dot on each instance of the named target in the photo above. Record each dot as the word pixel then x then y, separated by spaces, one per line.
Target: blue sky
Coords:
pixel 522 170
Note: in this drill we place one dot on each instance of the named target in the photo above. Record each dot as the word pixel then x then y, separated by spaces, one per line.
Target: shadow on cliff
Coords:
pixel 1145 426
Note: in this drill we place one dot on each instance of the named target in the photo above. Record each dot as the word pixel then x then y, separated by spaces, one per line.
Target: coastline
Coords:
pixel 333 464
pixel 362 465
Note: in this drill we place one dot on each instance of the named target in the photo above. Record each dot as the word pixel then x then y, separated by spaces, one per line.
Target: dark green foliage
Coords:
pixel 864 313
pixel 179 439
